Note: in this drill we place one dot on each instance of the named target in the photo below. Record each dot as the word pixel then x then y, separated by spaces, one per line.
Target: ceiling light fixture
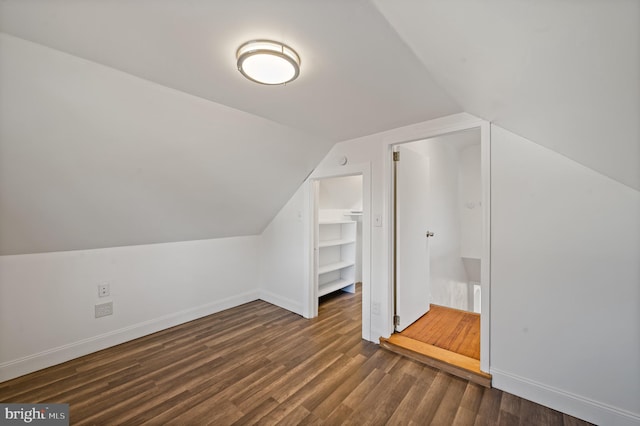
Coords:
pixel 268 62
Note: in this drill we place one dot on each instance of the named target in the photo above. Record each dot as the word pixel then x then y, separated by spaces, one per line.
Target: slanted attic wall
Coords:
pixel 565 74
pixel 92 157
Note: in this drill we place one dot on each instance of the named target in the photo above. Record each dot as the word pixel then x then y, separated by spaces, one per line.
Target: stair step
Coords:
pixel 451 362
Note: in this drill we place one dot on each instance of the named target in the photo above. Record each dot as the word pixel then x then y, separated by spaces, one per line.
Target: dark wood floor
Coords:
pixel 258 363
pixel 447 328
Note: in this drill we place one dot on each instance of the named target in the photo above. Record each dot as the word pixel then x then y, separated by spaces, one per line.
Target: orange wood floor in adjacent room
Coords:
pixel 447 328
pixel 445 338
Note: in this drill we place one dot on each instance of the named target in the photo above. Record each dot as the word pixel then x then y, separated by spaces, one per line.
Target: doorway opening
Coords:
pixel 440 246
pixel 340 239
pixel 339 234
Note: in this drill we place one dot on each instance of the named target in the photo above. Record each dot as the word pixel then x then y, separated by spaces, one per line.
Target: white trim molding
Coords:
pixel 282 302
pixel 435 128
pixel 30 363
pixel 566 402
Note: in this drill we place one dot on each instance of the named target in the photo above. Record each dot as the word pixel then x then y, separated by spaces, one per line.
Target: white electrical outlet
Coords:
pixel 375 308
pixel 103 290
pixel 377 220
pixel 104 309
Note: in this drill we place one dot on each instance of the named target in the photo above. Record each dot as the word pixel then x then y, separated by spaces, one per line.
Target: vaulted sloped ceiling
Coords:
pixel 565 74
pixel 358 77
pixel 127 123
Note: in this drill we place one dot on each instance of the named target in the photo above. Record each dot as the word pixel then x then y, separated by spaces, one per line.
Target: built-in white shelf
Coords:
pixel 336 222
pixel 335 266
pixel 336 254
pixel 331 243
pixel 333 286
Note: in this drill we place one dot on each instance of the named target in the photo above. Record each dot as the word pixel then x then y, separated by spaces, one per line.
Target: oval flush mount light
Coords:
pixel 268 62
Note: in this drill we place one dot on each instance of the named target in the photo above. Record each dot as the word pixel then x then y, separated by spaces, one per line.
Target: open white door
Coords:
pixel 412 244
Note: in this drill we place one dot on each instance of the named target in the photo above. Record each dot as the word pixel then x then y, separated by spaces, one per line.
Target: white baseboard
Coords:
pixel 60 354
pixel 283 302
pixel 566 402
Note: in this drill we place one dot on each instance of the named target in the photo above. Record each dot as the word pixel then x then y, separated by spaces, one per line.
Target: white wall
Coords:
pixel 282 260
pixel 565 283
pixel 447 276
pixel 470 202
pixel 93 157
pixel 341 193
pixel 47 300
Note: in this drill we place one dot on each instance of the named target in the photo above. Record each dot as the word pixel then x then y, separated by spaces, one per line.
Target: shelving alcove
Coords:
pixel 336 256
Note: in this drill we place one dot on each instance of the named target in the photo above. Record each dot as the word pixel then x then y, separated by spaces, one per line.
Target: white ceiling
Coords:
pixel 358 77
pixel 565 74
pixel 159 75
pixel 92 158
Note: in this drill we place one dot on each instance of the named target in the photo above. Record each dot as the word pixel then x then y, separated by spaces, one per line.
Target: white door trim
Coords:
pixel 485 143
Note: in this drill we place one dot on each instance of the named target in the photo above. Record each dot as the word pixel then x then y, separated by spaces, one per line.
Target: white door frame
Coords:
pixel 311 289
pixel 485 276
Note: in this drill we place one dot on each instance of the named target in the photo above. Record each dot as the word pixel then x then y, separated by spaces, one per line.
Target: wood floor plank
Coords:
pixel 319 388
pixel 448 408
pixel 375 411
pixel 407 407
pixel 147 402
pixel 207 412
pixel 328 404
pixel 469 405
pixel 489 409
pixel 355 398
pixel 510 404
pixel 295 417
pixel 260 364
pixel 257 412
pixel 532 414
pixel 340 414
pixel 426 409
